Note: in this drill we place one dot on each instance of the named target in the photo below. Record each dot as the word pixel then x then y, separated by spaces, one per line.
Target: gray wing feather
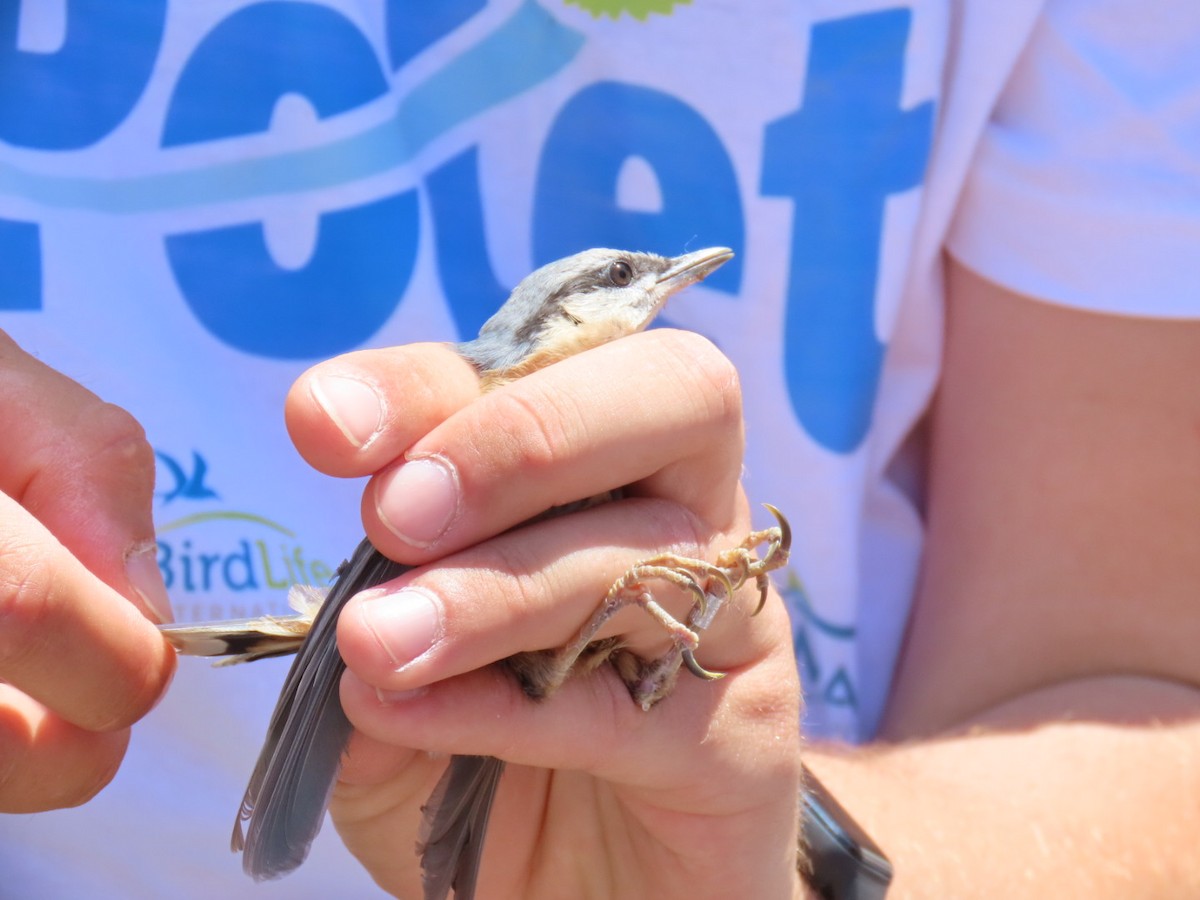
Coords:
pixel 284 805
pixel 456 818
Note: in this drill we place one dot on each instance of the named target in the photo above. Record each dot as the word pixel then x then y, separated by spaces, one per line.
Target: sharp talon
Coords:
pixel 785 532
pixel 694 586
pixel 764 585
pixel 726 582
pixel 698 670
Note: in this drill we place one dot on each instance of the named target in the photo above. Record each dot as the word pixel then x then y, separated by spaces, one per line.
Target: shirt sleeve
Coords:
pixel 1085 187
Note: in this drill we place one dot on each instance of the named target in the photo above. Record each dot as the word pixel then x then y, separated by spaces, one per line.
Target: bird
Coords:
pixel 562 308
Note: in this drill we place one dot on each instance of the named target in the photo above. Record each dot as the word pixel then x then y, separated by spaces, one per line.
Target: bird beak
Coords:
pixel 692 267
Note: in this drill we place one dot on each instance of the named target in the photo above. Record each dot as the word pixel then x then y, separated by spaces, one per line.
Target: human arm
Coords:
pixel 1046 707
pixel 1035 756
pixel 80 660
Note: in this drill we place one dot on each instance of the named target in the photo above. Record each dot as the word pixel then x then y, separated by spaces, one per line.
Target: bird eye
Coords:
pixel 620 273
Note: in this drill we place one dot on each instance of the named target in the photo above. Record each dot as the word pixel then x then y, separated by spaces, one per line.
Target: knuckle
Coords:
pixel 683 531
pixel 114 434
pixel 705 372
pixel 503 579
pixel 26 591
pixel 538 427
pixel 101 438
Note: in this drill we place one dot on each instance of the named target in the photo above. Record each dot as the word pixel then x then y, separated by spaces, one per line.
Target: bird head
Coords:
pixel 580 302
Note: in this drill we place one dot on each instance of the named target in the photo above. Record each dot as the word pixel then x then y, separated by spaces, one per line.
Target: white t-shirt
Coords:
pixel 199 200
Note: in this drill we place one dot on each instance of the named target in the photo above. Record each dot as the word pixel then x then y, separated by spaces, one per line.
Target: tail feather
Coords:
pixel 456 817
pixel 284 805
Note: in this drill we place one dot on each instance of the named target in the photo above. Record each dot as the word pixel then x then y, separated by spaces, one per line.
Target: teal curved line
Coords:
pixel 499 67
pixel 800 597
pixel 223 516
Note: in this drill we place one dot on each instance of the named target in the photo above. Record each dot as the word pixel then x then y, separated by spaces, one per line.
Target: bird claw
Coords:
pixel 710 585
pixel 689 660
pixel 779 546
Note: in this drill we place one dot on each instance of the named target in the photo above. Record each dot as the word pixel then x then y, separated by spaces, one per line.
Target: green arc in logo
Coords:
pixel 224 515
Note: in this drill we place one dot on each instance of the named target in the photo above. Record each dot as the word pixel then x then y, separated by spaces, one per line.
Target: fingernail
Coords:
pixel 141 568
pixel 418 500
pixel 406 624
pixel 352 404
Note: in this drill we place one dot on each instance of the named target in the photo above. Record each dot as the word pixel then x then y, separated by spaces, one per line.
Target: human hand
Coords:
pixel 698 797
pixel 80 659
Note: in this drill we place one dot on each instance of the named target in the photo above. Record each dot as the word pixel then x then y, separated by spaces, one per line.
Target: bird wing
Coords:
pixel 284 805
pixel 452 832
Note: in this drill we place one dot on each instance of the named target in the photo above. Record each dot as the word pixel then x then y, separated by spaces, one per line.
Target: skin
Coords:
pixel 80 660
pixel 1047 695
pixel 1059 597
pixel 1037 748
pixel 638 785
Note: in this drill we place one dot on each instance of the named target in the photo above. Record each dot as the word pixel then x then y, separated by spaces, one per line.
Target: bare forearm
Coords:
pixel 1090 789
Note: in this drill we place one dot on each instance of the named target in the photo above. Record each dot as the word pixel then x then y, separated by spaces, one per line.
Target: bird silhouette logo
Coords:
pixel 189 485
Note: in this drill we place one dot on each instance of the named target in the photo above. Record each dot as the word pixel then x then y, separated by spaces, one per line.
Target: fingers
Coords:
pixel 79 658
pixel 66 638
pixel 591 724
pixel 658 415
pixel 83 468
pixel 533 589
pixel 666 773
pixel 658 412
pixel 47 763
pixel 497 600
pixel 354 414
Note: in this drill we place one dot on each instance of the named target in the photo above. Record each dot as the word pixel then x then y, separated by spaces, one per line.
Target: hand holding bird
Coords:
pixel 662 419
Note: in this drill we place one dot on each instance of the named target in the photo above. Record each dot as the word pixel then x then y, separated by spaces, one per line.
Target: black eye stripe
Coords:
pixel 618 273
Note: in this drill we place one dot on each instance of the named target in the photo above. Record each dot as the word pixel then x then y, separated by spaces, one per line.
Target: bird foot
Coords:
pixel 709 584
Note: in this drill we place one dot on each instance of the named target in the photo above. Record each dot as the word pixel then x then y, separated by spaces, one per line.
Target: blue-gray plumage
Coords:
pixel 582 301
pixel 285 801
pixel 559 310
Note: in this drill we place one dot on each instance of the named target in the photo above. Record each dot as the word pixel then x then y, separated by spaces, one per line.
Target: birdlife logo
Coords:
pixel 220 562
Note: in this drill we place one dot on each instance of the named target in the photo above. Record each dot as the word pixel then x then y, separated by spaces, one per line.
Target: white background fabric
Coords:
pixel 774 120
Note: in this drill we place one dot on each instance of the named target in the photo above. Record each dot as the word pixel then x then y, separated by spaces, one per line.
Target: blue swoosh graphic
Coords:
pixel 499 67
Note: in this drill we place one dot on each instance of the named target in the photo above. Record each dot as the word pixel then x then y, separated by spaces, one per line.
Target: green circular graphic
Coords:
pixel 639 9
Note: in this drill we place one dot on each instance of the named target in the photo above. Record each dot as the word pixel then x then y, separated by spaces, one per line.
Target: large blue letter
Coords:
pixel 20 265
pixel 413 25
pixel 76 95
pixel 597 132
pixel 349 288
pixel 364 255
pixel 839 157
pixel 235 77
pixel 466 272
